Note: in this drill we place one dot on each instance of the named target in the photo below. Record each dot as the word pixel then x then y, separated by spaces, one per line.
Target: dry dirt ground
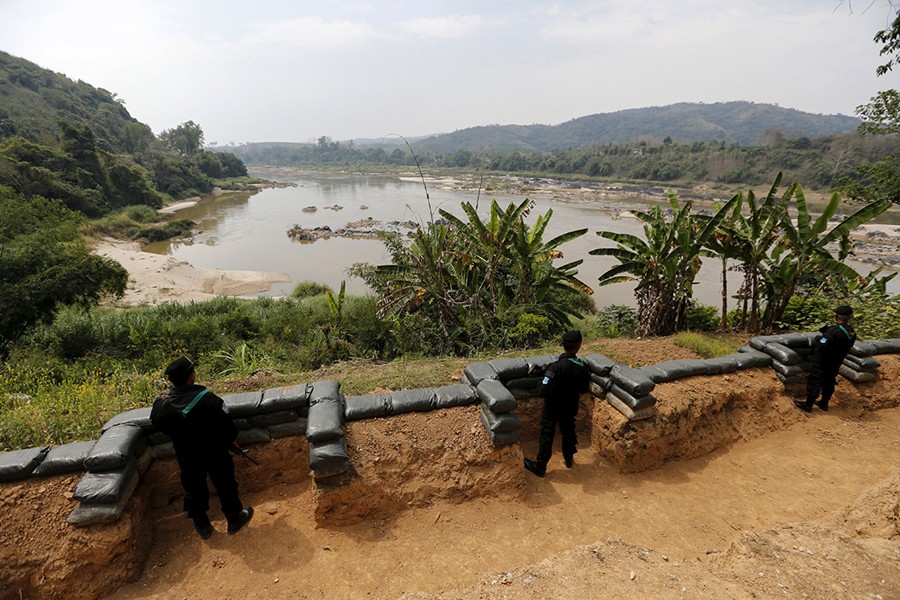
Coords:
pixel 755 500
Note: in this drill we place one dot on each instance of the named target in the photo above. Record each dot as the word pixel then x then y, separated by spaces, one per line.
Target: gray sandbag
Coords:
pixel 633 402
pixel 631 380
pixel 603 382
pixel 460 394
pixel 295 397
pixel 680 368
pixel 760 342
pixel 476 372
pixel 787 370
pixel 242 405
pixel 115 447
pixel 319 390
pixel 862 349
pixel 499 423
pixel 20 464
pixel 504 438
pixel 293 428
pixel 68 458
pixel 796 340
pixel 524 383
pixel 856 376
pixel 136 416
pixel 861 363
pixel 788 381
pixel 630 413
pixel 88 513
pixel 242 424
pixel 329 458
pixel 274 418
pixel 326 419
pixel 107 487
pixel 510 368
pixel 407 401
pixel 720 364
pixel 889 346
pixel 599 364
pixel 539 364
pixel 782 354
pixel 370 406
pixel 655 374
pixel 495 396
pixel 255 435
pixel 752 359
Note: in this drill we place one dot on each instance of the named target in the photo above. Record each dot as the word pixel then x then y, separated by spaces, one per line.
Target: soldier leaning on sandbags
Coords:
pixel 562 386
pixel 202 434
pixel 830 349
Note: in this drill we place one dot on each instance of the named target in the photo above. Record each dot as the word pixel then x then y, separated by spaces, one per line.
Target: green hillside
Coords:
pixel 70 141
pixel 33 101
pixel 744 123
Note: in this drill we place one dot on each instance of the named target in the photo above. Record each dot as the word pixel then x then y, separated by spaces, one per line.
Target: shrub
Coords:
pixel 616 321
pixel 530 331
pixel 702 317
pixel 305 289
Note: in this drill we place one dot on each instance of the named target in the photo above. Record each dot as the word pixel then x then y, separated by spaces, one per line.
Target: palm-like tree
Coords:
pixel 665 263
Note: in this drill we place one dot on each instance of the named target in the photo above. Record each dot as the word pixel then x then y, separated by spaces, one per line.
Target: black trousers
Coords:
pixel 550 418
pixel 822 379
pixel 220 468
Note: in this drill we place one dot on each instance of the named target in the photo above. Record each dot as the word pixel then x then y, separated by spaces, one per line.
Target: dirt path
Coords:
pixel 656 533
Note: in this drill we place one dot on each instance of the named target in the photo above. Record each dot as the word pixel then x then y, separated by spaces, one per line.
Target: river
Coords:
pixel 249 232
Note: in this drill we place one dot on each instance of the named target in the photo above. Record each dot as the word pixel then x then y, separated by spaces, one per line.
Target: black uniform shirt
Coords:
pixel 565 380
pixel 206 428
pixel 834 343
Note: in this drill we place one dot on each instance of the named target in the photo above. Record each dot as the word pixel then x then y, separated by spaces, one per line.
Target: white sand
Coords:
pixel 155 278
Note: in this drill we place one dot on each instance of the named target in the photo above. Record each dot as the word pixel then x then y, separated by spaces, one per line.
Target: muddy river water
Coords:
pixel 249 232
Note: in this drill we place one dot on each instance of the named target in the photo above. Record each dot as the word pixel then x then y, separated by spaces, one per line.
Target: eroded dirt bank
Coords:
pixel 433 508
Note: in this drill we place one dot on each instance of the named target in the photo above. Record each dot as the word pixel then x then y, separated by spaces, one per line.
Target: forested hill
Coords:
pixel 745 123
pixel 33 101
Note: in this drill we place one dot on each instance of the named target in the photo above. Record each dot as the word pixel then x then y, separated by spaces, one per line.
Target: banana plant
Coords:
pixel 665 262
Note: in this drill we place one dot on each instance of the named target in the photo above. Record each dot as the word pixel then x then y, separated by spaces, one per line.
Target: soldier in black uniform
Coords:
pixel 202 433
pixel 831 347
pixel 562 386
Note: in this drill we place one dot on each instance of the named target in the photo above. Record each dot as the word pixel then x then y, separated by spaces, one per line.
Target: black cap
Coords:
pixel 572 337
pixel 843 311
pixel 180 369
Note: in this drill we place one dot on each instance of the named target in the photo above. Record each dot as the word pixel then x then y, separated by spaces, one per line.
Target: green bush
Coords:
pixel 530 331
pixel 702 317
pixel 305 289
pixel 616 320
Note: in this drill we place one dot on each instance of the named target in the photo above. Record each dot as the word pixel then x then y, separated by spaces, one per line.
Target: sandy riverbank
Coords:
pixel 156 278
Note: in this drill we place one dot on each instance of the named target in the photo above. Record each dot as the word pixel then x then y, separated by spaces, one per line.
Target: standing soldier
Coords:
pixel 829 352
pixel 562 386
pixel 202 433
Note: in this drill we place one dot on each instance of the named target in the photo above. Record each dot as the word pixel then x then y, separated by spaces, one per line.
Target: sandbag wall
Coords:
pixel 127 444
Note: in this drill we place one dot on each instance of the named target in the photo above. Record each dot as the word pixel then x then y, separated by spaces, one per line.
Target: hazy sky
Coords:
pixel 295 70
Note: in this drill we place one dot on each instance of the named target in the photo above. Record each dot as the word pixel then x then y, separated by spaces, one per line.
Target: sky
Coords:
pixel 293 70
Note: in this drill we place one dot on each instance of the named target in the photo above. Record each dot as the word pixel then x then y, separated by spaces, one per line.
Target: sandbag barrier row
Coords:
pixel 790 356
pixel 128 442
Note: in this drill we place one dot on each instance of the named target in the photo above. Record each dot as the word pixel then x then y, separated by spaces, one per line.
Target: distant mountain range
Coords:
pixel 739 122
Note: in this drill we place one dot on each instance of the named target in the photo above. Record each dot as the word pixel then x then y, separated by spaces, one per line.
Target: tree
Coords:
pixel 45 263
pixel 186 139
pixel 479 280
pixel 664 263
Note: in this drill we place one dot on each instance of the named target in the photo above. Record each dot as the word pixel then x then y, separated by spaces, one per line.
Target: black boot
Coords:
pixel 823 404
pixel 804 406
pixel 235 522
pixel 536 468
pixel 203 527
pixel 570 461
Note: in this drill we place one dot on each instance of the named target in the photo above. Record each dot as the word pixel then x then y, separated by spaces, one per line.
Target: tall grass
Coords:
pixel 706 345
